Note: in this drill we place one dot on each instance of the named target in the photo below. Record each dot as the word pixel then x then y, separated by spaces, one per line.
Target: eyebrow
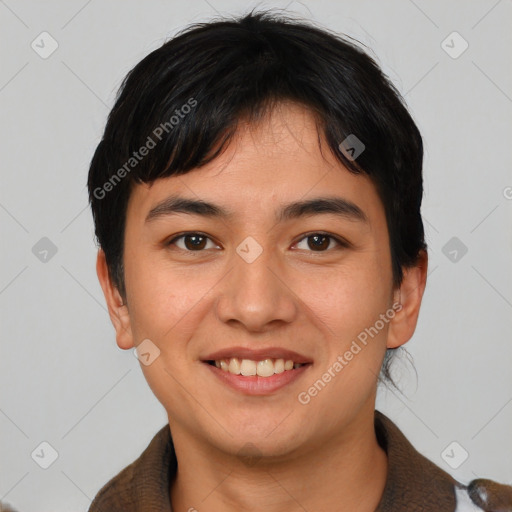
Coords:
pixel 320 205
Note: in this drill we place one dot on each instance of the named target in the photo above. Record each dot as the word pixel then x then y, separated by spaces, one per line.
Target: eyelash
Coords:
pixel 341 243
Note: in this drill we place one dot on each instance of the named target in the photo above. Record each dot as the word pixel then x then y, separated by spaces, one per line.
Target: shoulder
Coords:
pixel 116 494
pixel 483 494
pixel 144 481
pixel 415 484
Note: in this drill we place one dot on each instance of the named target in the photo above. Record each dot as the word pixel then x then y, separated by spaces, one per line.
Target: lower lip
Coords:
pixel 255 385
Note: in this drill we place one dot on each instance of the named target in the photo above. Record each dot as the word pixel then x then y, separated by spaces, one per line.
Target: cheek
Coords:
pixel 349 298
pixel 349 304
pixel 166 303
pixel 167 307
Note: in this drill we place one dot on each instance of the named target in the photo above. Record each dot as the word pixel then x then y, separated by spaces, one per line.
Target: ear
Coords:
pixel 410 293
pixel 117 310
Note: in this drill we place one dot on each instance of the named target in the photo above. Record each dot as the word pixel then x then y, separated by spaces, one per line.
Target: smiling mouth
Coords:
pixel 250 368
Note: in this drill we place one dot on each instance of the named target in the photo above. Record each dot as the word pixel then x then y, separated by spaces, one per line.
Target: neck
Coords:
pixel 345 472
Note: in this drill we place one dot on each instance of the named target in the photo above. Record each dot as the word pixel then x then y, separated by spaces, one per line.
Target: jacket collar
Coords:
pixel 413 482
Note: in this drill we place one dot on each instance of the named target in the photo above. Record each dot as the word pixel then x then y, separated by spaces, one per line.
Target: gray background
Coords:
pixel 63 379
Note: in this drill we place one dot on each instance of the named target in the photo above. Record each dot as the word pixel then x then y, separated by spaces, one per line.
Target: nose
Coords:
pixel 257 294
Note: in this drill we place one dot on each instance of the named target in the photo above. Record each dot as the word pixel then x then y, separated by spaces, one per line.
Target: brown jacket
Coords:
pixel 413 483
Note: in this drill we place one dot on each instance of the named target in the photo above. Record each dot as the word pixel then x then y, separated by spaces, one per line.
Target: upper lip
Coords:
pixel 257 355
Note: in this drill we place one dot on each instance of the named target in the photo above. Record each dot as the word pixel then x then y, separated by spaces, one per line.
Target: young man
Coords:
pixel 256 198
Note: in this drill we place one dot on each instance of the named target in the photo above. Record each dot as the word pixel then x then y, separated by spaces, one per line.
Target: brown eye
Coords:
pixel 192 242
pixel 320 242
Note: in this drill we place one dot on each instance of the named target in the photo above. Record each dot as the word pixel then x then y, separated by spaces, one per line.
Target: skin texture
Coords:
pixel 322 455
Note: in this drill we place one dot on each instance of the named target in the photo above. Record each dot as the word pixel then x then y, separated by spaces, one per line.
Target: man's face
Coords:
pixel 254 281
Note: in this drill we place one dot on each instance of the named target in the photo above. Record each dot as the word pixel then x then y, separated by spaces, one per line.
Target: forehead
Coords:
pixel 282 158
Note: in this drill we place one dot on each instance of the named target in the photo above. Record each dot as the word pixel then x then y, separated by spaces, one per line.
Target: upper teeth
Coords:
pixel 248 367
